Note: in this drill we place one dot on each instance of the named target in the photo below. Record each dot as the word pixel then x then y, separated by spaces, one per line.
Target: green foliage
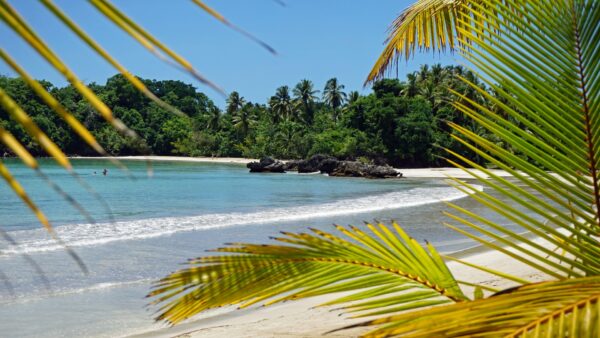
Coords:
pixel 401 122
pixel 387 263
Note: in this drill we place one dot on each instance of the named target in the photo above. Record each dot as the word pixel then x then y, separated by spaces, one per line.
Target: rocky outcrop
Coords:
pixel 358 169
pixel 324 164
pixel 291 165
pixel 266 165
pixel 313 164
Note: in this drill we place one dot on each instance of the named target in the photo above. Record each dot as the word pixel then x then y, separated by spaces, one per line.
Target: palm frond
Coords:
pixel 229 24
pixel 429 25
pixel 139 85
pixel 569 308
pixel 385 271
pixel 554 191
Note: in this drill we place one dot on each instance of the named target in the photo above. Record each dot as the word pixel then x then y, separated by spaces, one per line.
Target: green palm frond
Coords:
pixel 428 25
pixel 569 308
pixel 549 74
pixel 386 271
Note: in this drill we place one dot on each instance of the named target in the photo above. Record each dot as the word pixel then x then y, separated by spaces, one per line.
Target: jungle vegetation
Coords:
pixel 402 122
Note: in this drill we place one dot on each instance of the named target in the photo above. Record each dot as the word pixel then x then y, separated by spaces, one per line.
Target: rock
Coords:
pixel 357 169
pixel 291 165
pixel 378 171
pixel 266 165
pixel 328 165
pixel 312 164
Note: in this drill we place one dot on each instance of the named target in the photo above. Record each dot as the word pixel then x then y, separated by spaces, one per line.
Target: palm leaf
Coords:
pixel 554 95
pixel 568 308
pixel 149 42
pixel 139 85
pixel 229 24
pixel 428 25
pixel 385 271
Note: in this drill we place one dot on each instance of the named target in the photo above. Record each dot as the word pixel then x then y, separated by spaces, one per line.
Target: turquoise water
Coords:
pixel 144 227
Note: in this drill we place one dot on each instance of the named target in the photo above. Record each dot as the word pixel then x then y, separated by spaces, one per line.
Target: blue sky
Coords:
pixel 316 39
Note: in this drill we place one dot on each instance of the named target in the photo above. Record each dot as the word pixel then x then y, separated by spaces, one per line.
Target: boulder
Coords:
pixel 312 164
pixel 292 165
pixel 357 169
pixel 266 165
pixel 328 165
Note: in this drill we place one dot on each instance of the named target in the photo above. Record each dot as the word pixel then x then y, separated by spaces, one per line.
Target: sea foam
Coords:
pixel 77 235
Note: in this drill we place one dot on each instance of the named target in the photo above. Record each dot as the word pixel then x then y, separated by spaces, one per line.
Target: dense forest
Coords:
pixel 403 123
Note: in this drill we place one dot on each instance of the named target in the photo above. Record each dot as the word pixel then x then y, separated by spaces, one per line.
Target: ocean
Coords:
pixel 142 224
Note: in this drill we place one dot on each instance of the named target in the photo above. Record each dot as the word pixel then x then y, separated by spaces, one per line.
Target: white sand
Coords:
pixel 299 319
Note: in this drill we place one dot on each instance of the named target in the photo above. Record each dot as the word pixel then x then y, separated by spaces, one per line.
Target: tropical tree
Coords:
pixel 305 96
pixel 214 119
pixel 243 119
pixel 353 96
pixel 542 59
pixel 334 96
pixel 235 102
pixel 282 105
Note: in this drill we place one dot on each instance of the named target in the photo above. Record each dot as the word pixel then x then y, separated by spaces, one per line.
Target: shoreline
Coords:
pixel 440 172
pixel 303 318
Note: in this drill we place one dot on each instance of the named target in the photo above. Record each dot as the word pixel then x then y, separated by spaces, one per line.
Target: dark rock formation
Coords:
pixel 266 165
pixel 313 164
pixel 357 169
pixel 292 165
pixel 324 164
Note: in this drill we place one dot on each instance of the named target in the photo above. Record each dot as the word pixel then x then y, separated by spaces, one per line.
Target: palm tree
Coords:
pixel 244 119
pixel 411 89
pixel 282 105
pixel 214 119
pixel 334 96
pixel 305 95
pixel 353 96
pixel 549 75
pixel 235 102
pixel 423 74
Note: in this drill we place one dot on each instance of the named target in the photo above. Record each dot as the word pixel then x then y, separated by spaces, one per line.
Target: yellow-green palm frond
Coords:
pixel 569 308
pixel 385 269
pixel 545 75
pixel 426 25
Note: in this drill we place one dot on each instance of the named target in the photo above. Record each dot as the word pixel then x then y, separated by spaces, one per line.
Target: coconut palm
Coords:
pixel 334 96
pixel 353 96
pixel 282 105
pixel 214 119
pixel 234 102
pixel 244 119
pixel 305 96
pixel 545 55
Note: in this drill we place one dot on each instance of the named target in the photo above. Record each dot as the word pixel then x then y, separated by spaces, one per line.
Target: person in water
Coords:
pixel 104 172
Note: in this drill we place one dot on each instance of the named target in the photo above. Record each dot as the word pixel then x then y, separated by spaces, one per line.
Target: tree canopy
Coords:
pixel 402 123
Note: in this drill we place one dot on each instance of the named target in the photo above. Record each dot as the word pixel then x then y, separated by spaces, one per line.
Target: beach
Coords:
pixel 190 205
pixel 303 318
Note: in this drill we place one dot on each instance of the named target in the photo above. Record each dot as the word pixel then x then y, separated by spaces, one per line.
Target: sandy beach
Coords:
pixel 442 172
pixel 303 318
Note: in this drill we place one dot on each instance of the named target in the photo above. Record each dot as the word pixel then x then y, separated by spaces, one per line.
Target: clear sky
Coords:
pixel 315 39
